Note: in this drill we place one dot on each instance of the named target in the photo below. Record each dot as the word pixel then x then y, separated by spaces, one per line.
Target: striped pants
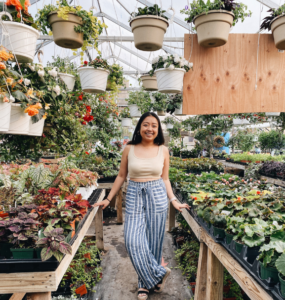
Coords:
pixel 146 213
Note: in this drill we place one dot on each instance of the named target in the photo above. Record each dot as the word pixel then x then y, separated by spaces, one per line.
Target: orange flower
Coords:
pixel 10 80
pixel 4 55
pixel 31 111
pixel 37 106
pixel 45 116
pixel 21 80
pixel 6 99
pixel 18 5
pixel 2 66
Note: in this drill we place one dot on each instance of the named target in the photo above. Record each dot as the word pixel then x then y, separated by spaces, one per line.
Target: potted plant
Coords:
pixel 272 114
pixel 66 71
pixel 18 24
pixel 149 25
pixel 169 121
pixel 169 71
pixel 126 117
pixel 214 19
pixel 133 101
pixel 115 78
pixel 187 123
pixel 175 105
pixel 160 103
pixel 72 27
pixel 94 75
pixel 149 83
pixel 276 23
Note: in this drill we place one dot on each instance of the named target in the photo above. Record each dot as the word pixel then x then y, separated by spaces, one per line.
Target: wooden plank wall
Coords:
pixel 223 80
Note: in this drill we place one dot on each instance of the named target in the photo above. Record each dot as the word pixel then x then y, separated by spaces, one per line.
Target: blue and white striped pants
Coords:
pixel 146 213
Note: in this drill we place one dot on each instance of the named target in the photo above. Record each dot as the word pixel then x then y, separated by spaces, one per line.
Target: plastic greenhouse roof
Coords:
pixel 119 10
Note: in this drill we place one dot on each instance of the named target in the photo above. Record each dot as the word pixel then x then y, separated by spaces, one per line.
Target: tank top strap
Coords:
pixel 131 153
pixel 160 151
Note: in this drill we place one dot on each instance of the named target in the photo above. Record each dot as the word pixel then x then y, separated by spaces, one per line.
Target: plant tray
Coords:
pixel 106 179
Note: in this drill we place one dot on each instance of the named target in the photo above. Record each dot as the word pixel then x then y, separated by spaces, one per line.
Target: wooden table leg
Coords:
pixel 39 296
pixel 171 218
pixel 119 204
pixel 201 280
pixel 18 296
pixel 215 277
pixel 99 229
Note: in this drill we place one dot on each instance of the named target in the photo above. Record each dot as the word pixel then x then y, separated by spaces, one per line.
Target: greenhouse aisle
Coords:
pixel 119 278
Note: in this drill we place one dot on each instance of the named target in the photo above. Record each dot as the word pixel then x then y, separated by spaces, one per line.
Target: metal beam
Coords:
pixel 43 44
pixel 269 3
pixel 125 62
pixel 130 89
pixel 131 51
pixel 34 1
pixel 103 15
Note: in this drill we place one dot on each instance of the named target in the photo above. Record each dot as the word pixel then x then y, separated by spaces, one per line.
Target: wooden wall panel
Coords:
pixel 223 79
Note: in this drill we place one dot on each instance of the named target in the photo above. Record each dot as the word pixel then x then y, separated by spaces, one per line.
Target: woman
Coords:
pixel 146 161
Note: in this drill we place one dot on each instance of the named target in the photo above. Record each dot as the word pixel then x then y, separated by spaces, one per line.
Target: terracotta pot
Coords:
pixel 3 215
pixel 149 83
pixel 81 290
pixel 213 28
pixel 148 32
pixel 63 30
pixel 278 28
pixel 87 255
pixel 72 224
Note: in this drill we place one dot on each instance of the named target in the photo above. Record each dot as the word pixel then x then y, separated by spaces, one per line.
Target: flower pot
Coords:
pixel 238 246
pixel 282 285
pixel 19 121
pixel 169 126
pixel 219 232
pixel 268 272
pixel 36 129
pixel 161 113
pixel 278 28
pixel 213 28
pixel 148 32
pixel 237 122
pixel 83 191
pixel 272 114
pixel 38 252
pixel 63 30
pixel 5 249
pixel 68 79
pixel 149 83
pixel 126 122
pixel 229 238
pixel 93 80
pixel 81 290
pixel 134 111
pixel 22 253
pixel 5 113
pixel 179 111
pixel 22 40
pixel 170 81
pixel 72 224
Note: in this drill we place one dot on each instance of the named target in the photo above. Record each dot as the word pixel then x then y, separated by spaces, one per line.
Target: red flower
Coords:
pixel 258 192
pixel 80 97
pixel 83 123
pixel 43 135
pixel 87 152
pixel 85 62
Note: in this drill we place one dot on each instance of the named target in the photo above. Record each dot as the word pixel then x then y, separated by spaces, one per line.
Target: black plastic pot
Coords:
pixel 238 247
pixel 107 179
pixel 229 238
pixel 282 285
pixel 269 272
pixel 218 232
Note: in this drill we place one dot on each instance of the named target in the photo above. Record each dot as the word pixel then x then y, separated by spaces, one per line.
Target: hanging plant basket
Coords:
pixel 126 122
pixel 149 83
pixel 169 126
pixel 22 39
pixel 36 129
pixel 68 79
pixel 213 28
pixel 179 111
pixel 149 32
pixel 63 31
pixel 108 87
pixel 93 80
pixel 5 113
pixel 134 111
pixel 218 141
pixel 161 113
pixel 170 81
pixel 278 28
pixel 272 114
pixel 238 122
pixel 19 121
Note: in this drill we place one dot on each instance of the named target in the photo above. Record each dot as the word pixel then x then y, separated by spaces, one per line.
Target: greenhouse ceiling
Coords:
pixel 116 41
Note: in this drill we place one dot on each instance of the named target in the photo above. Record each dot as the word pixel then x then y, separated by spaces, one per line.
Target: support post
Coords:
pixel 39 296
pixel 215 277
pixel 119 204
pixel 201 281
pixel 171 219
pixel 99 228
pixel 17 296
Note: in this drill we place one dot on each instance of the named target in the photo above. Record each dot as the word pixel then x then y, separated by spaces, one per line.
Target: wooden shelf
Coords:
pixel 274 181
pixel 232 165
pixel 40 282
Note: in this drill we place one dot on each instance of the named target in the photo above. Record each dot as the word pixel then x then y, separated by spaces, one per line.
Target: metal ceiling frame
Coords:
pixel 125 62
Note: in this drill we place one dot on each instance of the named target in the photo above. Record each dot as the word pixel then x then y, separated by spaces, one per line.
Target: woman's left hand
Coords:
pixel 179 206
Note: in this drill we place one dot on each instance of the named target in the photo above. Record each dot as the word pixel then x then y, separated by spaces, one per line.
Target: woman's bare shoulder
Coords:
pixel 165 150
pixel 127 149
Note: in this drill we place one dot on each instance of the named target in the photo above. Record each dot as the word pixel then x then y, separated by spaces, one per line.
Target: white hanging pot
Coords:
pixel 22 39
pixel 68 79
pixel 272 114
pixel 278 27
pixel 149 32
pixel 36 129
pixel 149 83
pixel 169 126
pixel 5 113
pixel 189 127
pixel 179 111
pixel 126 122
pixel 170 81
pixel 238 122
pixel 93 80
pixel 161 113
pixel 19 121
pixel 213 27
pixel 134 111
pixel 255 138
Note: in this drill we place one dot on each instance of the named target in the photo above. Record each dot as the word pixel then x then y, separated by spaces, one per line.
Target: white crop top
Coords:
pixel 145 167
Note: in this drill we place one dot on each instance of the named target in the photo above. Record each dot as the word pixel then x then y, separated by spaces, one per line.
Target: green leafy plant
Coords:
pixel 266 24
pixel 169 120
pixel 125 113
pixel 174 102
pixel 154 10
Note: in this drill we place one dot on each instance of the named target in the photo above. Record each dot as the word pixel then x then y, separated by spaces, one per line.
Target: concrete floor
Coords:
pixel 119 277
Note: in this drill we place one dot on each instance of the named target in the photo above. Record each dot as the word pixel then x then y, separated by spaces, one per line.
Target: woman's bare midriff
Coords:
pixel 144 179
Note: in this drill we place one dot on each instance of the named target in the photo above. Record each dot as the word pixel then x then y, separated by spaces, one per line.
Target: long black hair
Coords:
pixel 136 139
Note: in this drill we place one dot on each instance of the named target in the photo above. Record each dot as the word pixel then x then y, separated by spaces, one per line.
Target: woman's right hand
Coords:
pixel 103 203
